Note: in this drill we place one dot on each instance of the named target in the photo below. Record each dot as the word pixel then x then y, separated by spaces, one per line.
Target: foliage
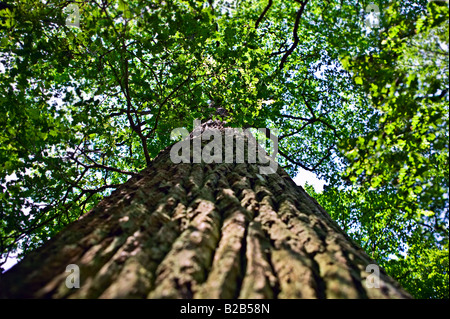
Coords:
pixel 404 247
pixel 394 196
pixel 83 109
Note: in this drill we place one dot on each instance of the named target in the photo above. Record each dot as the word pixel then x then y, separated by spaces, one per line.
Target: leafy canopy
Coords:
pixel 83 109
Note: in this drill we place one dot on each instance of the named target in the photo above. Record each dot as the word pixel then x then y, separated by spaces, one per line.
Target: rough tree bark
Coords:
pixel 201 231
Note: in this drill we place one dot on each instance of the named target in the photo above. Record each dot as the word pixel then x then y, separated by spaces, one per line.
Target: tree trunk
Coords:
pixel 201 231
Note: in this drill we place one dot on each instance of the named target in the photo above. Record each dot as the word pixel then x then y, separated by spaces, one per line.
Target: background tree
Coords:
pixel 85 109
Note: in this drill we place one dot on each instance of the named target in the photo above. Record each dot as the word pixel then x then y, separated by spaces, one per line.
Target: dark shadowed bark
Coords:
pixel 201 231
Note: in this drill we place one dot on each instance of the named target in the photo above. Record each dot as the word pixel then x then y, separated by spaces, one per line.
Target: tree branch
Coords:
pixel 290 159
pixel 97 165
pixel 309 121
pixel 295 34
pixel 295 117
pixel 263 14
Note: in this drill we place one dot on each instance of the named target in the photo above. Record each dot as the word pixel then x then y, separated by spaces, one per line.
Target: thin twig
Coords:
pixel 295 34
